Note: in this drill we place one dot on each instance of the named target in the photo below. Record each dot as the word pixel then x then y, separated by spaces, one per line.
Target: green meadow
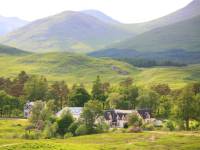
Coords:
pixel 10 131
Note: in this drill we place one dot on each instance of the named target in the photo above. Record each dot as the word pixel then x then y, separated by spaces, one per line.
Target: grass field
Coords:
pixel 108 141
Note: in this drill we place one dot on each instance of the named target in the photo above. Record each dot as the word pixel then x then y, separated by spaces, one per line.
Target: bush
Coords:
pixel 148 126
pixel 102 127
pixel 72 128
pixel 68 135
pixel 64 122
pixel 31 136
pixel 81 130
pixel 170 125
pixel 134 119
pixel 50 130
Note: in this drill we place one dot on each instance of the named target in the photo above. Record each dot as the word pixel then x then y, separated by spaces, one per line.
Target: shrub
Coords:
pixel 31 136
pixel 170 125
pixel 64 122
pixel 134 119
pixel 81 130
pixel 50 130
pixel 72 128
pixel 148 126
pixel 68 135
pixel 102 127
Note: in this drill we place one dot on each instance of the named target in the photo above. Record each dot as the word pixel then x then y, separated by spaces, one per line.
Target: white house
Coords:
pixel 75 111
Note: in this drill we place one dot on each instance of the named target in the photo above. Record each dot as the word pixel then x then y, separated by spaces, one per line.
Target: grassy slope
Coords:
pixel 176 77
pixel 107 141
pixel 75 68
pixel 65 66
pixel 182 35
pixel 6 50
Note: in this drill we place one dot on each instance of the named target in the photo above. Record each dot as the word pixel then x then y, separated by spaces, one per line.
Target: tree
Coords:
pixel 64 122
pixel 98 92
pixel 41 112
pixel 78 97
pixel 36 112
pixel 9 105
pixel 60 92
pixel 116 101
pixel 187 106
pixel 36 88
pixel 17 87
pixel 91 112
pixel 130 94
pixel 149 100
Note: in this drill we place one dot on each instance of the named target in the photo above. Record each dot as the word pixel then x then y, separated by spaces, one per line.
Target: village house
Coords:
pixel 75 111
pixel 115 118
pixel 27 109
pixel 119 118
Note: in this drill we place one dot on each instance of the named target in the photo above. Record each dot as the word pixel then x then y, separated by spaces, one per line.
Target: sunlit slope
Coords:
pixel 73 68
pixel 176 77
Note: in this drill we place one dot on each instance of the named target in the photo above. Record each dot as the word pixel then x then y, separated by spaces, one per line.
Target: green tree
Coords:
pixel 116 101
pixel 36 88
pixel 60 92
pixel 78 97
pixel 91 112
pixel 149 100
pixel 98 92
pixel 9 105
pixel 187 106
pixel 64 122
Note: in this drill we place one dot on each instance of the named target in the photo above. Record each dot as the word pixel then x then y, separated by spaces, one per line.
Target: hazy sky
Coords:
pixel 127 11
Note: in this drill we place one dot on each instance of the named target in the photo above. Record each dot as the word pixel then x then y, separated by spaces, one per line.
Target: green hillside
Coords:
pixel 182 35
pixel 74 68
pixel 68 31
pixel 176 77
pixel 7 50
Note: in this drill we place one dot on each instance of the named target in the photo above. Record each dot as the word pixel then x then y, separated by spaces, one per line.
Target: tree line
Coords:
pixel 181 105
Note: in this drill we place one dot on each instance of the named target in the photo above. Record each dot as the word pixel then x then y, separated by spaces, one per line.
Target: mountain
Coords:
pixel 7 50
pixel 68 31
pixel 9 24
pixel 182 35
pixel 188 12
pixel 101 16
pixel 179 42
